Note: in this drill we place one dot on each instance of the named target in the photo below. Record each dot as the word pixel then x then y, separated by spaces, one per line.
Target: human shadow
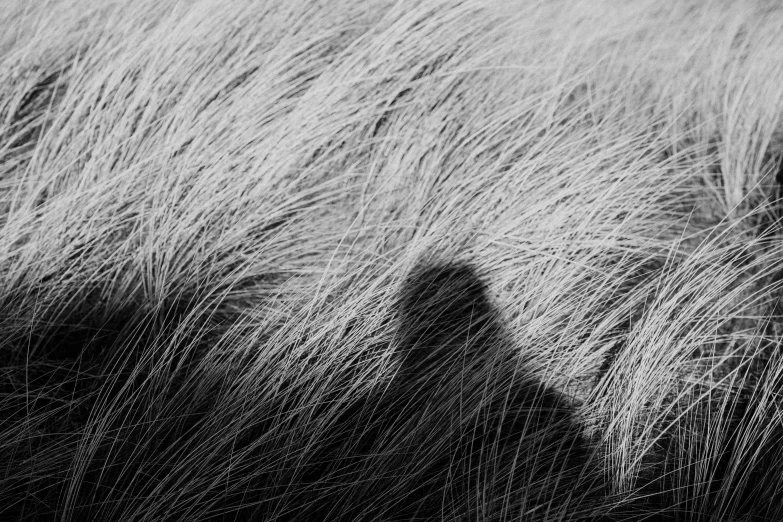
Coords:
pixel 464 429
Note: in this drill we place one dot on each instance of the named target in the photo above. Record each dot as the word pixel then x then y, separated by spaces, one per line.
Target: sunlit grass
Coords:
pixel 390 261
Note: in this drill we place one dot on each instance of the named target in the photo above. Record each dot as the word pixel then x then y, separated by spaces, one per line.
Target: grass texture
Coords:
pixel 391 261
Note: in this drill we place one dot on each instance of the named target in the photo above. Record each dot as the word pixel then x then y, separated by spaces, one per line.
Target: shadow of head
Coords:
pixel 445 317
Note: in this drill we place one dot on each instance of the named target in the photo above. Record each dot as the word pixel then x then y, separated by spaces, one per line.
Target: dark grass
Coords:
pixel 462 418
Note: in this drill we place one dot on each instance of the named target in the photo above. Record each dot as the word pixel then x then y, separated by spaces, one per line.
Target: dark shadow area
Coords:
pixel 66 370
pixel 464 430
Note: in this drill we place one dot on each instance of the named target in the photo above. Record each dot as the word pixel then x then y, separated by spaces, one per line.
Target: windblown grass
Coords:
pixel 423 260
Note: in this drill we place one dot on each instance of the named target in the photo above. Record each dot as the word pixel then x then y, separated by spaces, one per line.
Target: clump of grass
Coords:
pixel 390 261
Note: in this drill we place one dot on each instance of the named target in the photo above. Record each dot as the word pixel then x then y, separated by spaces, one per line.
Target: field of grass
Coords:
pixel 364 260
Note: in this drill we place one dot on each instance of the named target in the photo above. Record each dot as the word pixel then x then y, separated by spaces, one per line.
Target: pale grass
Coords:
pixel 222 202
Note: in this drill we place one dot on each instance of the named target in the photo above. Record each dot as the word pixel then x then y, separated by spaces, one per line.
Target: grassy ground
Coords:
pixel 366 260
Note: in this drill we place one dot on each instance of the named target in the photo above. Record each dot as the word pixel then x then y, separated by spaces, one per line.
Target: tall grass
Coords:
pixel 420 260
